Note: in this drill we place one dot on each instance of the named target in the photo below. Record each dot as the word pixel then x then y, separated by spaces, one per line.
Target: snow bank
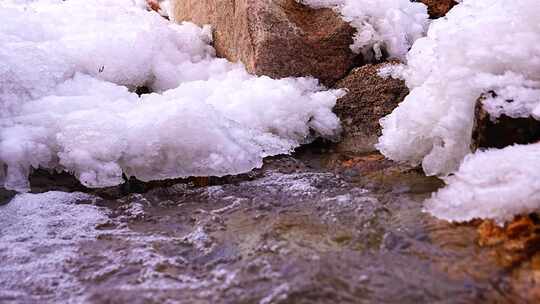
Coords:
pixel 389 26
pixel 495 184
pixel 67 70
pixel 481 46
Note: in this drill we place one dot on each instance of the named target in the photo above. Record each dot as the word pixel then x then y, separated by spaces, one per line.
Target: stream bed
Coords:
pixel 315 227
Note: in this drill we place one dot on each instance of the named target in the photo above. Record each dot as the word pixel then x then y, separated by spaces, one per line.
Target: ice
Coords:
pixel 292 185
pixel 21 217
pixel 164 6
pixel 481 46
pixel 68 70
pixel 503 100
pixel 389 26
pixel 392 70
pixel 495 184
pixel 37 239
pixel 488 48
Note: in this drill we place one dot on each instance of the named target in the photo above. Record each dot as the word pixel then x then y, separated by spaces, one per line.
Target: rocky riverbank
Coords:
pixel 334 222
pixel 316 227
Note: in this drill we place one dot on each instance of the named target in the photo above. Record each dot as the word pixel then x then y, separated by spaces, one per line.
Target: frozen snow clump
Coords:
pixel 495 184
pixel 67 73
pixel 389 26
pixel 482 46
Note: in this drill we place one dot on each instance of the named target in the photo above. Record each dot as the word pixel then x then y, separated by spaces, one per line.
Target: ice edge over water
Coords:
pixel 67 70
pixel 481 46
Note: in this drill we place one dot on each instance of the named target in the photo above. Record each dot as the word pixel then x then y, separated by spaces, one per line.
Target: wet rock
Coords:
pixel 503 131
pixel 526 279
pixel 159 6
pixel 515 243
pixel 142 90
pixel 369 98
pixel 6 196
pixel 276 38
pixel 153 5
pixel 438 8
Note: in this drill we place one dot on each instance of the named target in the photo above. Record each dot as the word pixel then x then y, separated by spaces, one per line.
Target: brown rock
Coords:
pixel 502 132
pixel 277 38
pixel 438 8
pixel 515 243
pixel 153 5
pixel 369 98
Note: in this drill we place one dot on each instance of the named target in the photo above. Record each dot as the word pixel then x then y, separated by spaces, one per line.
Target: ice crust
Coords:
pixel 38 239
pixel 487 48
pixel 494 184
pixel 389 26
pixel 67 72
pixel 481 46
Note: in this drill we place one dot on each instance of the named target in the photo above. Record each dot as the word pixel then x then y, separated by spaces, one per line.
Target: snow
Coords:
pixel 67 73
pixel 495 184
pixel 389 26
pixel 392 70
pixel 164 6
pixel 502 102
pixel 481 46
pixel 486 48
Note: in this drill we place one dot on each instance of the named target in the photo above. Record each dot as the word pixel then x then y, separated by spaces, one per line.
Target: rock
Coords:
pixel 438 8
pixel 502 132
pixel 369 98
pixel 6 196
pixel 513 244
pixel 277 38
pixel 159 6
pixel 153 5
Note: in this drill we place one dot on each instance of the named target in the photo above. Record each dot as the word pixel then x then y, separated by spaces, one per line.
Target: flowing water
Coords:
pixel 318 227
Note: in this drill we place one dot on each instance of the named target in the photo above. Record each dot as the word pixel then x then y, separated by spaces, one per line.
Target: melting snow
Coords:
pixel 481 46
pixel 496 48
pixel 382 26
pixel 495 184
pixel 66 71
